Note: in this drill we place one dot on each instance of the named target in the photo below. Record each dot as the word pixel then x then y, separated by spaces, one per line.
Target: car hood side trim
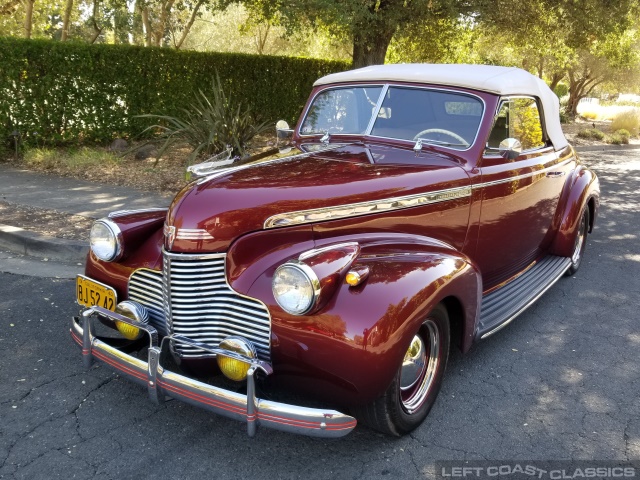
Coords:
pixel 365 208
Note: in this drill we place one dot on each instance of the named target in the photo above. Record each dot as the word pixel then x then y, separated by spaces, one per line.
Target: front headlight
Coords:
pixel 295 287
pixel 106 240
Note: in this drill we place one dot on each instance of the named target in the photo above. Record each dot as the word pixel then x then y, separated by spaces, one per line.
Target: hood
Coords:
pixel 209 214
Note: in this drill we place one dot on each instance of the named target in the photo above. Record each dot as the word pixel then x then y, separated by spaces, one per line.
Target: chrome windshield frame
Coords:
pixel 374 116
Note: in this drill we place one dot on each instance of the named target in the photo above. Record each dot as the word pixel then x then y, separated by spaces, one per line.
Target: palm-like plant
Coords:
pixel 210 125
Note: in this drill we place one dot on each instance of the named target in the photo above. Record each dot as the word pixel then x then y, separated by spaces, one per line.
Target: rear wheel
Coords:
pixel 580 243
pixel 414 389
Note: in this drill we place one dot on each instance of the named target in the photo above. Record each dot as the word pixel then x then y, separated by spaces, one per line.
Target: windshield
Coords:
pixel 341 111
pixel 433 116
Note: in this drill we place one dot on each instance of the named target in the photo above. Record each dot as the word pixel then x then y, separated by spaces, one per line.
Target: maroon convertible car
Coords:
pixel 418 207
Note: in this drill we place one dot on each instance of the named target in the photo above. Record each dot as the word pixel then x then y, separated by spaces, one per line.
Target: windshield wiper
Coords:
pixel 418 146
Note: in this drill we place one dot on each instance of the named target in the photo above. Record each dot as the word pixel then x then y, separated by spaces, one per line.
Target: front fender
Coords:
pixel 585 188
pixel 352 347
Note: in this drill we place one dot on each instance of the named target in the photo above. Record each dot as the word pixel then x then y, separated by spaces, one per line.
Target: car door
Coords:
pixel 519 192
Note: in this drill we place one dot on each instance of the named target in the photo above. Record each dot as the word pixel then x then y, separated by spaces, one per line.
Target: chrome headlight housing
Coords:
pixel 106 240
pixel 295 287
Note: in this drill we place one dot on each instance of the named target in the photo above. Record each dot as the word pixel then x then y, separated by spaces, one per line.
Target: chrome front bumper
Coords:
pixel 161 383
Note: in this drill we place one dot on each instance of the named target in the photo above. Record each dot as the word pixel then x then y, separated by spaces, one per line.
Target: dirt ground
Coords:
pixel 45 222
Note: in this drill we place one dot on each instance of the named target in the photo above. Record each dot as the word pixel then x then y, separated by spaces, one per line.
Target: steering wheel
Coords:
pixel 445 132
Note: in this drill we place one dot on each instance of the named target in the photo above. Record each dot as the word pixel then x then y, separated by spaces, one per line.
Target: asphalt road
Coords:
pixel 561 382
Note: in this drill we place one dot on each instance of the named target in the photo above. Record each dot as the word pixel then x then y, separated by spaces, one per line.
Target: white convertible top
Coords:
pixel 486 78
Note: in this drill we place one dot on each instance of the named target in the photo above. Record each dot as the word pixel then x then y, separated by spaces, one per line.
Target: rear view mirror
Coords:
pixel 283 135
pixel 510 148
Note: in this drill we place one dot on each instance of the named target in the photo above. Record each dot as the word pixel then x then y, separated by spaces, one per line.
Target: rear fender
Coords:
pixel 584 189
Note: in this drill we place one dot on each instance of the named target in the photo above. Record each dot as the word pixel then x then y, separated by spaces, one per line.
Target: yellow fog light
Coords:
pixel 135 312
pixel 232 368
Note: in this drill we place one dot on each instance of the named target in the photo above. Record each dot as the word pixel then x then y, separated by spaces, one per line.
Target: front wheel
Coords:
pixel 413 390
pixel 580 243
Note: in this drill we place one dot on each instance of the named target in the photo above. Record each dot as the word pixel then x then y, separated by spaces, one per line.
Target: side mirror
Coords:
pixel 510 148
pixel 283 134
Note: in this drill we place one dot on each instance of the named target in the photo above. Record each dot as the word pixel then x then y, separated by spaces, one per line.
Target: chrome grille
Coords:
pixel 145 287
pixel 192 298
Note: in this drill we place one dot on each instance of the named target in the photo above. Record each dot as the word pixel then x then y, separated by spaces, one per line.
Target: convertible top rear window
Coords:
pixel 440 117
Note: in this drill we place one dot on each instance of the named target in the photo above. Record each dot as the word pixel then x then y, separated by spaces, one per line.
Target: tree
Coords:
pixel 235 29
pixel 590 42
pixel 614 60
pixel 444 40
pixel 28 17
pixel 66 19
pixel 369 25
pixel 168 22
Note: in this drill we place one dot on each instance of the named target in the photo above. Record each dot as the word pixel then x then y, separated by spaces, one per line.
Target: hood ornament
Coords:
pixel 212 164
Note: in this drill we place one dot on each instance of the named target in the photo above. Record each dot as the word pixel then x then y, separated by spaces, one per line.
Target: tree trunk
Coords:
pixel 146 23
pixel 580 86
pixel 66 20
pixel 370 47
pixel 188 26
pixel 555 80
pixel 137 29
pixel 94 22
pixel 165 11
pixel 28 17
pixel 261 36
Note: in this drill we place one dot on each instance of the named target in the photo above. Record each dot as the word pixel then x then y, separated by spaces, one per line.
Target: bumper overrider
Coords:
pixel 161 383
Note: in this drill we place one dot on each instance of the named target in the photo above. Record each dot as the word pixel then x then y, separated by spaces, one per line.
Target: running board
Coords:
pixel 503 305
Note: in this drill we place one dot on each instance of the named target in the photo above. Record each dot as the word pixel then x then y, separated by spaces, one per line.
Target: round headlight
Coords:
pixel 106 240
pixel 295 288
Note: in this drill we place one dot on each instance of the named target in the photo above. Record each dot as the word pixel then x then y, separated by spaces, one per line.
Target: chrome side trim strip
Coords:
pixel 390 204
pixel 365 208
pixel 121 213
pixel 316 251
pixel 525 175
pixel 193 234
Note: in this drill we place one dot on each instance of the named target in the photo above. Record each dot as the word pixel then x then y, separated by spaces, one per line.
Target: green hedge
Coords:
pixel 53 92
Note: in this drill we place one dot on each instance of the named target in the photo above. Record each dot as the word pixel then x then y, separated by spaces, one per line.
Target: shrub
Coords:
pixel 623 133
pixel 71 92
pixel 617 139
pixel 628 120
pixel 75 159
pixel 591 133
pixel 210 124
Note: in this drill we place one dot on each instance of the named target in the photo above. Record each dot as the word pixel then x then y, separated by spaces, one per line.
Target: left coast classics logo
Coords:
pixel 169 236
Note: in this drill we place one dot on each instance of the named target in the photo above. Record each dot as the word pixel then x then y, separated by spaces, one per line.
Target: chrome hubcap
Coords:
pixel 419 367
pixel 577 251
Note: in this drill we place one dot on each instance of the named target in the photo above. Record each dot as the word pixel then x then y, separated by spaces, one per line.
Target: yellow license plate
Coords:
pixel 91 293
